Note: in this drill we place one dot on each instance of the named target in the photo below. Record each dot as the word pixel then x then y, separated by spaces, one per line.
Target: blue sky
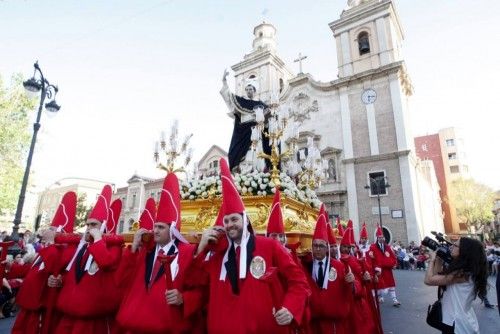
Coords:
pixel 127 69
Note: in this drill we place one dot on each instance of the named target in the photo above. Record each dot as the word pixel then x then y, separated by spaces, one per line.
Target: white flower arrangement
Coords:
pixel 252 184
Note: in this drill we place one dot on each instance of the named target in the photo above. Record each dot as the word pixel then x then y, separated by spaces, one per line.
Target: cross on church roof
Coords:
pixel 299 60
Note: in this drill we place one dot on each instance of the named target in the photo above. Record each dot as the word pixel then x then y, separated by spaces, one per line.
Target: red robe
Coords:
pixel 386 261
pixel 154 315
pixel 89 306
pixel 367 266
pixel 360 319
pixel 251 311
pixel 330 307
pixel 32 296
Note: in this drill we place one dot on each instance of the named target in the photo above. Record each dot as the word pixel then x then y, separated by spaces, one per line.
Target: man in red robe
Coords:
pixel 361 320
pixel 33 295
pixel 331 286
pixel 156 300
pixel 370 280
pixel 276 230
pixel 245 290
pixel 384 260
pixel 87 299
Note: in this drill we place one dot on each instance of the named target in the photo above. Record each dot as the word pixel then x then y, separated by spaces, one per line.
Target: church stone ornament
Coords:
pixel 302 107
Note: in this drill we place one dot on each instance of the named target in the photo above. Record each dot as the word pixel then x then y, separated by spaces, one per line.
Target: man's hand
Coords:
pixel 283 317
pixel 96 234
pixel 174 297
pixel 349 277
pixel 137 242
pixel 210 235
pixel 54 282
pixel 366 276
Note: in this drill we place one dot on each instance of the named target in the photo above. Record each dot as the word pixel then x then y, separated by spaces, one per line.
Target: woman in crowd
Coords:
pixel 464 279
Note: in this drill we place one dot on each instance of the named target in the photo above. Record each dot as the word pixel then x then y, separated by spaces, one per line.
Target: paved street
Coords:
pixel 415 298
pixel 410 317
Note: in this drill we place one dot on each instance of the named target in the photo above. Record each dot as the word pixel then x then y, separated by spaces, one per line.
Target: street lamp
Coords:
pixel 378 182
pixel 49 91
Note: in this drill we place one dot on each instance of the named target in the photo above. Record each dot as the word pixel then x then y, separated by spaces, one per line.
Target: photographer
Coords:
pixel 464 279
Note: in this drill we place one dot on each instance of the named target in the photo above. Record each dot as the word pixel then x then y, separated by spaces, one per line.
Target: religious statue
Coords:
pixel 331 172
pixel 242 110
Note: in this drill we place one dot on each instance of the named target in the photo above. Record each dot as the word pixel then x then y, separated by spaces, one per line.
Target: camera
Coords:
pixel 441 247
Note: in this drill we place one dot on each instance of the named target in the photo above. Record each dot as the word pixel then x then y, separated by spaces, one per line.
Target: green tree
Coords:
pixel 82 211
pixel 15 134
pixel 473 202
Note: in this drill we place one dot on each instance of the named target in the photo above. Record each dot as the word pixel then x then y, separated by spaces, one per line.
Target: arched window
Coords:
pixel 363 43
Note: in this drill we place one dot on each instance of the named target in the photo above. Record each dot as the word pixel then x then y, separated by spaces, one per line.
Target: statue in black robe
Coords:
pixel 242 110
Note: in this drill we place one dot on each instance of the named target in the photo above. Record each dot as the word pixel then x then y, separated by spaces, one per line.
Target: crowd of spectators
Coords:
pixel 411 257
pixel 493 257
pixel 14 268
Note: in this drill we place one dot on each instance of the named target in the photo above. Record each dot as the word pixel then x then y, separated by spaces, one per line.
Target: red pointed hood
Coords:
pixel 232 202
pixel 64 218
pixel 349 224
pixel 320 232
pixel 275 224
pixel 379 232
pixel 148 215
pixel 170 202
pixel 100 210
pixel 219 221
pixel 331 235
pixel 114 216
pixel 169 207
pixel 363 234
pixel 340 229
pixel 348 238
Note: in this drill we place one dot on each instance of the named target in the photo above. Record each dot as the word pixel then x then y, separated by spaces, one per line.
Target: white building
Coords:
pixel 360 120
pixel 49 199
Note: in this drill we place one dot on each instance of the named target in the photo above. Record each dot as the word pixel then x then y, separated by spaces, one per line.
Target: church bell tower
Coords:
pixel 368 36
pixel 262 65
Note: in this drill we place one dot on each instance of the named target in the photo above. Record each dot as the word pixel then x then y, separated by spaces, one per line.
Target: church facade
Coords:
pixel 360 121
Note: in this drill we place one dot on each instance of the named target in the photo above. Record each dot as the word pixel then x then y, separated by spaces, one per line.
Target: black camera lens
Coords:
pixel 430 243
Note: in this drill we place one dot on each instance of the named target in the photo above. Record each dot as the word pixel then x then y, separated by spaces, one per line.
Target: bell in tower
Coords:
pixel 363 43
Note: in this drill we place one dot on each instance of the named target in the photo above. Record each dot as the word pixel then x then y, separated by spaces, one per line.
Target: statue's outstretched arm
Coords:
pixel 227 95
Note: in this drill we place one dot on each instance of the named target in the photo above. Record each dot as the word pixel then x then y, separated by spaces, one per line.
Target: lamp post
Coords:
pixel 48 91
pixel 378 182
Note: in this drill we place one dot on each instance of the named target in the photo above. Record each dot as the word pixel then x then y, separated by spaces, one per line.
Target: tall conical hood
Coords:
pixel 148 215
pixel 379 232
pixel 169 207
pixel 219 221
pixel 350 224
pixel 363 234
pixel 320 231
pixel 348 238
pixel 170 202
pixel 340 229
pixel 100 210
pixel 114 216
pixel 275 223
pixel 331 235
pixel 231 198
pixel 64 218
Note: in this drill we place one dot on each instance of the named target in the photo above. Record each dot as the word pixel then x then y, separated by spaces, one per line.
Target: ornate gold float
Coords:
pixel 299 218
